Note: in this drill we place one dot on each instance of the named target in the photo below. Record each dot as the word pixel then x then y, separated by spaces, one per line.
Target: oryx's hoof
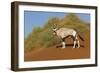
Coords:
pixel 63 47
pixel 78 47
pixel 73 47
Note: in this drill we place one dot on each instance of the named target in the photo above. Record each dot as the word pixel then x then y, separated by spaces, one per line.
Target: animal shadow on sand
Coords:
pixel 68 45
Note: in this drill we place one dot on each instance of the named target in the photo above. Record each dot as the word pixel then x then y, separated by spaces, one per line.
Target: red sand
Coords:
pixel 57 53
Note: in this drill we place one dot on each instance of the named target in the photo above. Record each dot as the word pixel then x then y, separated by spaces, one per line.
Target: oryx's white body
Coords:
pixel 64 32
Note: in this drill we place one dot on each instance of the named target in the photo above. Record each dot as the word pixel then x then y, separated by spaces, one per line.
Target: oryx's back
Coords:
pixel 63 32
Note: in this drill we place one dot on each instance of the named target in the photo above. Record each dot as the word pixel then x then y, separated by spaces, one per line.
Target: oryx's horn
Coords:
pixel 55 26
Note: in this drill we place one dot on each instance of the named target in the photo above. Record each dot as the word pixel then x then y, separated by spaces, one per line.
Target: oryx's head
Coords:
pixel 54 29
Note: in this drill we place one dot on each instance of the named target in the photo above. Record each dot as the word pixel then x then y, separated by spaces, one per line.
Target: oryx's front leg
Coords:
pixel 63 45
pixel 78 44
pixel 74 44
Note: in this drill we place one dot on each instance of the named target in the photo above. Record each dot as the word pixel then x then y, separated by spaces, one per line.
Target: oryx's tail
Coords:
pixel 81 37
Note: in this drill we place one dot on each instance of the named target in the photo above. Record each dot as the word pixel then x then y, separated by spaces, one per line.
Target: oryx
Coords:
pixel 65 32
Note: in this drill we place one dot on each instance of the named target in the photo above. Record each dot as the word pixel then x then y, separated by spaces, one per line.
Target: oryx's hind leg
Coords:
pixel 74 40
pixel 74 44
pixel 78 43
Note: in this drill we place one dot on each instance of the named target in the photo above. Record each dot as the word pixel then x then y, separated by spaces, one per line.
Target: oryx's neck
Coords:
pixel 56 29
